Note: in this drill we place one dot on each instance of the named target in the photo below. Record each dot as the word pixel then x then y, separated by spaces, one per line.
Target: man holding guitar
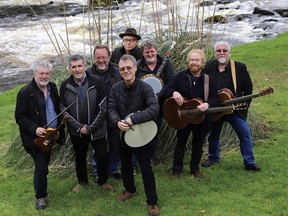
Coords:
pixel 132 102
pixel 235 77
pixel 37 105
pixel 189 84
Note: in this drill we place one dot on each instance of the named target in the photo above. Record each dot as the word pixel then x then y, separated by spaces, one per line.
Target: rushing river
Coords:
pixel 24 40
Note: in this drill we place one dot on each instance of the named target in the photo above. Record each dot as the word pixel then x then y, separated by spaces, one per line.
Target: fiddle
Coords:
pixel 52 134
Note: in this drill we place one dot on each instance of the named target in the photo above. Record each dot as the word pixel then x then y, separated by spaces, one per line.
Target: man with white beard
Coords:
pixel 234 76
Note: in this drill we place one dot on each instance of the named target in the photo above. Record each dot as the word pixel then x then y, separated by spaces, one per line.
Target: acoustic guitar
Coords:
pixel 226 97
pixel 179 117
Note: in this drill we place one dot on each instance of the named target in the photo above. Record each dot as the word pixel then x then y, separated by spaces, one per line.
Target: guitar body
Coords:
pixel 178 117
pixel 223 95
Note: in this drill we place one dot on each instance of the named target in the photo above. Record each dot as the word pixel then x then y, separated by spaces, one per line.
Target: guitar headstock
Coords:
pixel 241 106
pixel 266 91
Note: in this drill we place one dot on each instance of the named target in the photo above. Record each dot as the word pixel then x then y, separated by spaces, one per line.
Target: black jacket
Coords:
pixel 30 112
pixel 119 51
pixel 126 100
pixel 243 80
pixel 189 88
pixel 93 107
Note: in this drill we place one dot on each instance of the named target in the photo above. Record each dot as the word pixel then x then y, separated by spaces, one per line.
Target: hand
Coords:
pixel 178 98
pixel 40 132
pixel 125 125
pixel 203 107
pixel 84 130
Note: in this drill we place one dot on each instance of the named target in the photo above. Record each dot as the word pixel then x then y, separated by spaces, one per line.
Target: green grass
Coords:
pixel 227 188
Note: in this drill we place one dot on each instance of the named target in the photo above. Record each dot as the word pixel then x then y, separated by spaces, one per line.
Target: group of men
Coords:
pixel 101 103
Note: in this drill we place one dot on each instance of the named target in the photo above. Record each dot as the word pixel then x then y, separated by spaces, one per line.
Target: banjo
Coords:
pixel 155 81
pixel 140 134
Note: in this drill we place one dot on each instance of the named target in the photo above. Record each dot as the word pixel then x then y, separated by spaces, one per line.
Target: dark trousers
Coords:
pixel 144 155
pixel 198 131
pixel 41 162
pixel 80 146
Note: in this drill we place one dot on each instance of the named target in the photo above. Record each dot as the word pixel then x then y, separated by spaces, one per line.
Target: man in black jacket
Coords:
pixel 130 42
pixel 237 80
pixel 87 120
pixel 37 107
pixel 104 69
pixel 190 84
pixel 133 96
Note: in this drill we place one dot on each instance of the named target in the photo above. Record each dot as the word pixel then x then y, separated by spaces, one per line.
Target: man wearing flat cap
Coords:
pixel 130 42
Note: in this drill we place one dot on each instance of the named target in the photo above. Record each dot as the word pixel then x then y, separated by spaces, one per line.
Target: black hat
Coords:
pixel 130 32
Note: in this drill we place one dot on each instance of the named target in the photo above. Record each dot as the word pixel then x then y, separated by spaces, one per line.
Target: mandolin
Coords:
pixel 179 117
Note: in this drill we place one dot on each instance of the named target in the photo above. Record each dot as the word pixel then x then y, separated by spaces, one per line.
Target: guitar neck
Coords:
pixel 239 99
pixel 209 110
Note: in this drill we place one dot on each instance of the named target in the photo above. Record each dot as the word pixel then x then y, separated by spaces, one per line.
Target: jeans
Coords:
pixel 242 130
pixel 41 161
pixel 80 146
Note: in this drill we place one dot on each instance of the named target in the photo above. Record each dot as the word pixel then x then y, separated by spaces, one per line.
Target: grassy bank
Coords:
pixel 227 188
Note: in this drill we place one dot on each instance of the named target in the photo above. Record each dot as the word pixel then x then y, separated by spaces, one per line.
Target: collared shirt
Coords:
pixel 50 111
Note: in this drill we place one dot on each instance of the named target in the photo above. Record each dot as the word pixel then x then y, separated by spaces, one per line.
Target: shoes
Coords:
pixel 153 210
pixel 106 186
pixel 41 203
pixel 76 188
pixel 197 174
pixel 209 162
pixel 117 175
pixel 125 196
pixel 253 167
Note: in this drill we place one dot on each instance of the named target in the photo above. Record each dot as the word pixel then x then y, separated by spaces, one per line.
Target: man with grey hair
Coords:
pixel 87 122
pixel 233 76
pixel 37 107
pixel 133 102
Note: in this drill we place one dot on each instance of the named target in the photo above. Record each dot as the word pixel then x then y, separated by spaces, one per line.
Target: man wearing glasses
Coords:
pixel 234 76
pixel 134 96
pixel 130 42
pixel 108 72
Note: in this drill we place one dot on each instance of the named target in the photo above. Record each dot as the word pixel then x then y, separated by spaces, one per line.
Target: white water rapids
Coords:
pixel 24 42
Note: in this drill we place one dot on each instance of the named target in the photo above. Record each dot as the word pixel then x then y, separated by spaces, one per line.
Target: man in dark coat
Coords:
pixel 130 42
pixel 240 84
pixel 37 107
pixel 87 120
pixel 133 102
pixel 104 69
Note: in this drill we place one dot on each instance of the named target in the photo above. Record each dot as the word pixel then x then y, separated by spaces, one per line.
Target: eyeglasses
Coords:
pixel 129 68
pixel 223 50
pixel 101 57
pixel 129 40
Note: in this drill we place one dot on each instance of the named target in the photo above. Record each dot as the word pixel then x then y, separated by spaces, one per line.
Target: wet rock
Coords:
pixel 282 12
pixel 263 12
pixel 216 19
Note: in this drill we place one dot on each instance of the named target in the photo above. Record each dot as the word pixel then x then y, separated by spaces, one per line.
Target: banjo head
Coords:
pixel 141 134
pixel 154 82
